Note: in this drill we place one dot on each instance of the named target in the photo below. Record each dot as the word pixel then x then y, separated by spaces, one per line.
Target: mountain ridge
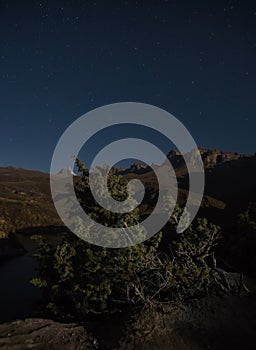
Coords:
pixel 25 196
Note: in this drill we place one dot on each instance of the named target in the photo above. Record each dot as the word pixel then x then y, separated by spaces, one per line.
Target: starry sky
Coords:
pixel 60 59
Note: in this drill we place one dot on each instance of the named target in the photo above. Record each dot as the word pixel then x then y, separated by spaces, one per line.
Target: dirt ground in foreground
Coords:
pixel 212 323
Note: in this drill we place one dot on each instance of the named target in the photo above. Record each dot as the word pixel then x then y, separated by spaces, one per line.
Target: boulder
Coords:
pixel 37 333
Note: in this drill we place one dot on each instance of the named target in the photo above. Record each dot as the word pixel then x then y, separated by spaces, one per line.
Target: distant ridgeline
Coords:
pixel 210 157
pixel 25 198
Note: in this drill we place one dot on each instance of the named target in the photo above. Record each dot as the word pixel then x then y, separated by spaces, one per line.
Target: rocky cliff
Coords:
pixel 210 157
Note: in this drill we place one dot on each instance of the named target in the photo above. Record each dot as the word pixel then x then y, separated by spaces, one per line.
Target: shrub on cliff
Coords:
pixel 79 278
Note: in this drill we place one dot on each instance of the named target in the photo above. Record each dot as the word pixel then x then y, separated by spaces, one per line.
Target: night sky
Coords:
pixel 60 59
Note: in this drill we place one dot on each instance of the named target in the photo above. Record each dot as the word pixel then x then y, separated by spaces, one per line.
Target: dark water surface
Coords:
pixel 18 297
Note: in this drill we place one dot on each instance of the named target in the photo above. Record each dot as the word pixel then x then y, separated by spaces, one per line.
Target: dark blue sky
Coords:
pixel 60 59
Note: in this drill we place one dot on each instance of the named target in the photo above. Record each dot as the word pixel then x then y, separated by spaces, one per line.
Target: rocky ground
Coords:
pixel 212 323
pixel 42 334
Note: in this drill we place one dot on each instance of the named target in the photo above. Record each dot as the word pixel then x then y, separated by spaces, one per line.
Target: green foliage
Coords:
pixel 117 188
pixel 79 278
pixel 191 251
pixel 168 204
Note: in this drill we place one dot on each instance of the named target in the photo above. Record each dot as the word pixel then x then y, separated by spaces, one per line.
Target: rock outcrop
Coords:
pixel 136 168
pixel 41 334
pixel 210 157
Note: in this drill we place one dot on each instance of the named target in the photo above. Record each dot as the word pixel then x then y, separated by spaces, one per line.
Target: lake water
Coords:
pixel 18 297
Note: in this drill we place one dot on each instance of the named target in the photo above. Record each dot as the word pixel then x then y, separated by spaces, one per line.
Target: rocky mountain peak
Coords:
pixel 66 172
